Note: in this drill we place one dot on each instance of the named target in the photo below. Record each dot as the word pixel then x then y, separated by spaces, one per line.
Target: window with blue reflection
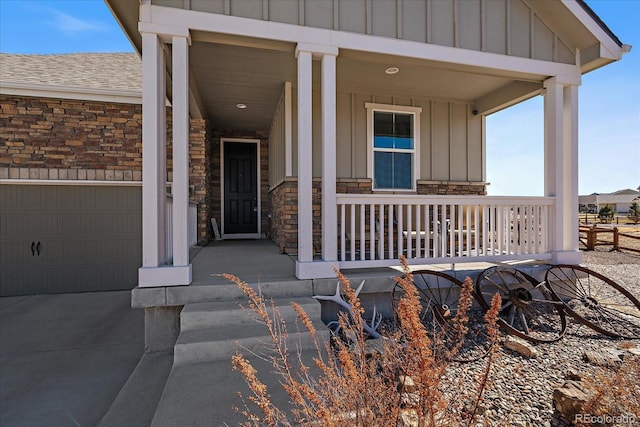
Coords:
pixel 393 144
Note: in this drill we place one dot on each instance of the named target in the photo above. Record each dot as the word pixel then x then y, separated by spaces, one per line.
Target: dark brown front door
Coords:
pixel 240 188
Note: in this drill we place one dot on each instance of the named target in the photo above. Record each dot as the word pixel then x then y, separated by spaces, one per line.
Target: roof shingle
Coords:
pixel 115 71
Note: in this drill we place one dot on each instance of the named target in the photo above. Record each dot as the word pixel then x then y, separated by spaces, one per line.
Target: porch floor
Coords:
pixel 259 261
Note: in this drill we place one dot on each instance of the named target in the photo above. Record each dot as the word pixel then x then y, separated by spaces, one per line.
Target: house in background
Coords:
pixel 619 201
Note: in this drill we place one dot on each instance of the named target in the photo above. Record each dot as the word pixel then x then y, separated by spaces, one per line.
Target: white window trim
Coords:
pixel 416 111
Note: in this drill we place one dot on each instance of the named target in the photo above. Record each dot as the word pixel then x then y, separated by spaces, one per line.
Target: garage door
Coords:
pixel 69 238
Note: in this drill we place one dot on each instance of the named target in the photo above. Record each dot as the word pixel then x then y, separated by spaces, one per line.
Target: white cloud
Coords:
pixel 71 25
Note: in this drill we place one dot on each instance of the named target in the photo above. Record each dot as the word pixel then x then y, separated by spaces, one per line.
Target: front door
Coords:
pixel 240 189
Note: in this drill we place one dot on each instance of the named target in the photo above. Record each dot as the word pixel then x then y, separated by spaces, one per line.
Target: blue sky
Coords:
pixel 609 115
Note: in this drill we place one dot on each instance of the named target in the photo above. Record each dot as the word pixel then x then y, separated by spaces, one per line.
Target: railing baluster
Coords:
pixel 381 232
pixel 399 236
pixel 418 234
pixel 352 237
pixel 372 231
pixel 343 232
pixel 427 232
pixel 390 230
pixel 460 230
pixel 363 251
pixel 410 231
pixel 445 229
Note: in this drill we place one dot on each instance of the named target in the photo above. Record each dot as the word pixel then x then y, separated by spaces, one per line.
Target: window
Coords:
pixel 393 146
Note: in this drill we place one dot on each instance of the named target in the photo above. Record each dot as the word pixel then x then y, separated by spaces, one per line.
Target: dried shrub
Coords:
pixel 399 384
pixel 616 393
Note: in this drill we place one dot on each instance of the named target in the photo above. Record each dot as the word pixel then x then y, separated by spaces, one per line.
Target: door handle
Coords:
pixel 33 248
pixel 38 248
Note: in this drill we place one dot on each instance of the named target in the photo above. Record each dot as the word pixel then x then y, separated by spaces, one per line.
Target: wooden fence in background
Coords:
pixel 589 238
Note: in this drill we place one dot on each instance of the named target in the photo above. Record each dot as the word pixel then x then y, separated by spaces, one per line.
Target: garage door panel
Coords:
pixel 90 238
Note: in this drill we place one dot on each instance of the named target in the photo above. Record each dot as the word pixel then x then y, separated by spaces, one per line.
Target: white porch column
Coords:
pixel 180 186
pixel 306 268
pixel 305 163
pixel 154 270
pixel 154 156
pixel 329 211
pixel 561 167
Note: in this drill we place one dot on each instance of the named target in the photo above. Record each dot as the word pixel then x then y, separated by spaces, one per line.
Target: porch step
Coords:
pixel 213 331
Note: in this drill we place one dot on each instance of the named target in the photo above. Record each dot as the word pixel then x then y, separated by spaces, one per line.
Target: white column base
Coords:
pixel 149 277
pixel 569 257
pixel 315 270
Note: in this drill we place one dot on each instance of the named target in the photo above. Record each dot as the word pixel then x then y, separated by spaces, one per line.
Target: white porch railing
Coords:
pixel 374 230
pixel 192 224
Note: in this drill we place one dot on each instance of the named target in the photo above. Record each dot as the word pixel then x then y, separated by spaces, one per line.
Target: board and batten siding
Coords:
pixel 451 147
pixel 508 27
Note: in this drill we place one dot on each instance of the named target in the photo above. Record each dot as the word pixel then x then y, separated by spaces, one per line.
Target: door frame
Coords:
pixel 228 236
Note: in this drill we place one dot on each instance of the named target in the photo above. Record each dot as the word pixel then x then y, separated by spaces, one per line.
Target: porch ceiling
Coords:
pixel 225 75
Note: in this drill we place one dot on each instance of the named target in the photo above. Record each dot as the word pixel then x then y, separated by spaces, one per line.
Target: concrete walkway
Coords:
pixel 65 357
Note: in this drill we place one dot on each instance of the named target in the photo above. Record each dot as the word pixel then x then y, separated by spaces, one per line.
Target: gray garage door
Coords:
pixel 69 238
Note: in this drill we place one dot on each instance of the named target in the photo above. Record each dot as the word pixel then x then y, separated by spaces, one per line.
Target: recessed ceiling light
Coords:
pixel 241 106
pixel 392 70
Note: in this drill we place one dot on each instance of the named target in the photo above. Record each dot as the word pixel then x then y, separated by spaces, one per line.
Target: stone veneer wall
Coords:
pixel 216 178
pixel 452 188
pixel 57 139
pixel 284 212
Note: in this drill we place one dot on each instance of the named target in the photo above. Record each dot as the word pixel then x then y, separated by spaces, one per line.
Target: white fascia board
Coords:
pixel 68 92
pixel 166 19
pixel 611 49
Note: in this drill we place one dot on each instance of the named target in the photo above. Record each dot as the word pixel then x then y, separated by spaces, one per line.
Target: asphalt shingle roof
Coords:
pixel 116 71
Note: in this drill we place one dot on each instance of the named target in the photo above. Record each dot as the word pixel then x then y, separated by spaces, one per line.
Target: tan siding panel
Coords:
pixel 361 143
pixel 316 134
pixel 294 131
pixel 543 43
pixel 442 23
pixel 247 8
pixel 284 11
pixel 318 13
pixel 475 148
pixel 343 135
pixel 211 6
pixel 169 3
pixel 565 55
pixel 440 141
pixel 425 139
pixel 458 149
pixel 520 37
pixel 495 24
pixel 414 18
pixel 384 18
pixel 353 16
pixel 469 24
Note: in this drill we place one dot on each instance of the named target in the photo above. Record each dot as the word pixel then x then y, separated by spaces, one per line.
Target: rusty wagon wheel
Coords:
pixel 595 300
pixel 439 294
pixel 528 309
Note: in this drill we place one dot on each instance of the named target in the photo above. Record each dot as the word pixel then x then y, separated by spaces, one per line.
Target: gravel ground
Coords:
pixel 521 389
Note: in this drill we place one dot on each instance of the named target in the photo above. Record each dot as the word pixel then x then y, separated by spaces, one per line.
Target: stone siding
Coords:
pixel 452 188
pixel 56 139
pixel 284 212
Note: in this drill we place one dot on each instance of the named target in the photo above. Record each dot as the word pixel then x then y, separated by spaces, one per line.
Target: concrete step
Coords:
pixel 212 331
pixel 223 313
